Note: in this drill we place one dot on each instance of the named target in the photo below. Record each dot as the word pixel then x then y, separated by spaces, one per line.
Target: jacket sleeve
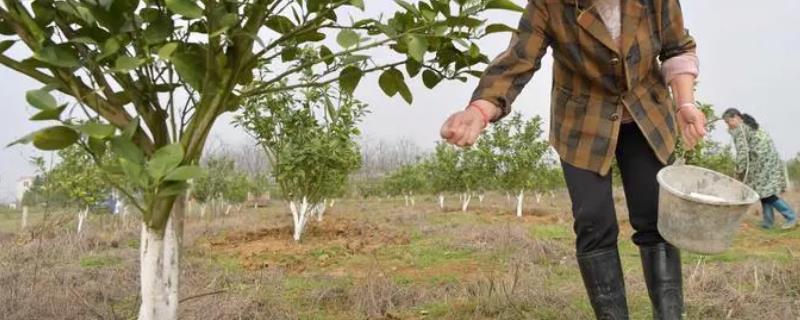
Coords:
pixel 675 38
pixel 742 149
pixel 505 77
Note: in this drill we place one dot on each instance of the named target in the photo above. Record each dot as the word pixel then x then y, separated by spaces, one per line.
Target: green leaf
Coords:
pixel 349 79
pixel 499 27
pixel 186 8
pixel 24 140
pixel 41 99
pixel 504 5
pixel 387 82
pixel 347 38
pixel 173 189
pixel 166 50
pixel 189 62
pixel 6 44
pixel 126 63
pixel 97 130
pixel 164 160
pixel 310 36
pixel 126 149
pixel 97 146
pixel 409 7
pixel 159 30
pixel 391 82
pixel 280 24
pixel 327 55
pixel 358 4
pixel 184 173
pixel 61 55
pixel 49 114
pixel 54 138
pixel 110 47
pixel 413 67
pixel 417 46
pixel 430 79
pixel 133 171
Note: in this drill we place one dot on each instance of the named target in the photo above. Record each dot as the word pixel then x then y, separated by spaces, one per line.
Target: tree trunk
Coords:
pixel 333 202
pixel 538 197
pixel 407 200
pixel 480 197
pixel 160 267
pixel 508 197
pixel 203 210
pixel 465 202
pixel 320 209
pixel 227 209
pixel 300 214
pixel 24 217
pixel 441 201
pixel 82 218
pixel 411 195
pixel 520 198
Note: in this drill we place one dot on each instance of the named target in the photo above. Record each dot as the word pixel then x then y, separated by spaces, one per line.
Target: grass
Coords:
pixel 483 264
pixel 94 261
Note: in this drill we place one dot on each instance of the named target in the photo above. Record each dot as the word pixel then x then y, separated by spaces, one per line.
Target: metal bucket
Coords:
pixel 700 210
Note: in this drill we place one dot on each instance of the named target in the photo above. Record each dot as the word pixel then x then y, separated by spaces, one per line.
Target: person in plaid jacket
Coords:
pixel 615 63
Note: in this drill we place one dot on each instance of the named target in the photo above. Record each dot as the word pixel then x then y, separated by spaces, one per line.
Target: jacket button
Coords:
pixel 614 61
pixel 614 117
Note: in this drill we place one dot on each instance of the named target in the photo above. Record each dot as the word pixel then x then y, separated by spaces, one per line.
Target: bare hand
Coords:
pixel 692 124
pixel 463 127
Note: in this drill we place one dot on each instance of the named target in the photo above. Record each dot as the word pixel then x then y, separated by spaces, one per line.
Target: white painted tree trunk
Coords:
pixel 160 268
pixel 227 209
pixel 203 210
pixel 520 199
pixel 411 196
pixel 24 217
pixel 82 218
pixel 508 197
pixel 408 201
pixel 320 209
pixel 238 208
pixel 300 213
pixel 465 202
pixel 480 197
pixel 552 195
pixel 538 197
pixel 441 201
pixel 333 202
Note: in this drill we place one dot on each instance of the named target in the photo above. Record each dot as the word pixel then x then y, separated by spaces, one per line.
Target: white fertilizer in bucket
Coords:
pixel 700 210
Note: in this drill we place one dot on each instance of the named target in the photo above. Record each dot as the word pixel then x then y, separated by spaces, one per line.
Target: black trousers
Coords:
pixel 593 202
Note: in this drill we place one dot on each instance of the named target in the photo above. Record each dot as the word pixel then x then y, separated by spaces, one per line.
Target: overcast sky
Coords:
pixel 748 52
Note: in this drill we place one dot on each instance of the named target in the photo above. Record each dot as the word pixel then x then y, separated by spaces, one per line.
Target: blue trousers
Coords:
pixel 771 202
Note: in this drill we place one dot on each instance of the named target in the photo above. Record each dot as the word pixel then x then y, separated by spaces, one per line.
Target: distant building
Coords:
pixel 23 184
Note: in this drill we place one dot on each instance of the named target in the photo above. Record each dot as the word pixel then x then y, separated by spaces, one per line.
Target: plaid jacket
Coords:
pixel 593 78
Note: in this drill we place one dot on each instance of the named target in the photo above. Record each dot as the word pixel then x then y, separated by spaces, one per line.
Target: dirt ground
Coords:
pixel 376 259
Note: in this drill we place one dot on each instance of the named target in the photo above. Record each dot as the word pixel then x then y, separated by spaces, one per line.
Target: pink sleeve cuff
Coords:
pixel 686 63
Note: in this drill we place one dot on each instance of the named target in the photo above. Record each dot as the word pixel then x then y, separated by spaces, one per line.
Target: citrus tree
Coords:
pixel 793 169
pixel 156 75
pixel 407 181
pixel 518 149
pixel 83 182
pixel 221 185
pixel 308 136
pixel 442 171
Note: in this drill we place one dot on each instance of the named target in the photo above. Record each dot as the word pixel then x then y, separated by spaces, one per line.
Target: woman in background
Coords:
pixel 759 166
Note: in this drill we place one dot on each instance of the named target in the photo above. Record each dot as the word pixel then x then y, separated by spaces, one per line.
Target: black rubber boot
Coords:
pixel 662 273
pixel 602 276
